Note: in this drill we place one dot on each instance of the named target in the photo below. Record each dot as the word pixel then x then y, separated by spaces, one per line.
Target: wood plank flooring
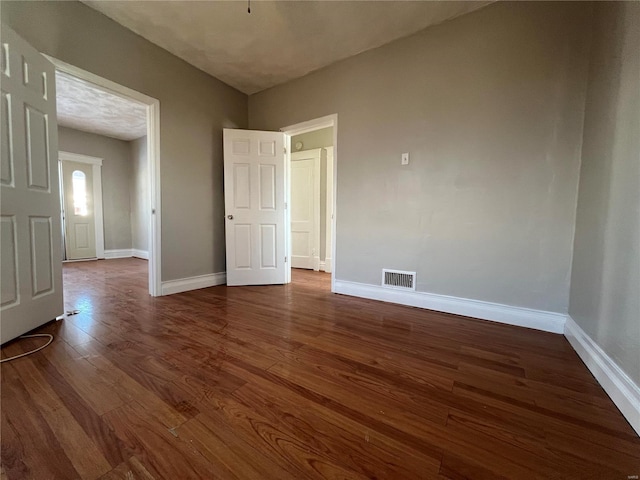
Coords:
pixel 293 382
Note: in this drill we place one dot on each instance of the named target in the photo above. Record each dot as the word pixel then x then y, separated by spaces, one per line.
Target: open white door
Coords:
pixel 31 250
pixel 254 194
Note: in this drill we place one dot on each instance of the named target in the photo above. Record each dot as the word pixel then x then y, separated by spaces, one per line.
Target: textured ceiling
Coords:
pixel 278 41
pixel 83 106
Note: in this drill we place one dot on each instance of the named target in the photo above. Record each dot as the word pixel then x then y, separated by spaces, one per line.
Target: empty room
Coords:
pixel 320 239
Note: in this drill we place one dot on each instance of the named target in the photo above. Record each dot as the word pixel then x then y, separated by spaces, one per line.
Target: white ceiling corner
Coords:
pixel 83 106
pixel 280 40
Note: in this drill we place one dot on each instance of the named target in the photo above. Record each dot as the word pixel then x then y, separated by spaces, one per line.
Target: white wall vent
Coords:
pixel 398 279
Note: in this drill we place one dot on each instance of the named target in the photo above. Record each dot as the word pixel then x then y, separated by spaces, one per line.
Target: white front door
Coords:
pixel 79 210
pixel 254 192
pixel 305 209
pixel 31 246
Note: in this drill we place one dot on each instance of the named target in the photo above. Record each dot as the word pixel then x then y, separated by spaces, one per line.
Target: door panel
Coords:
pixel 9 261
pixel 242 234
pixel 41 255
pixel 305 210
pixel 241 186
pixel 38 162
pixel 30 207
pixel 267 187
pixel 35 74
pixel 6 170
pixel 267 148
pixel 268 239
pixel 81 236
pixel 79 213
pixel 254 175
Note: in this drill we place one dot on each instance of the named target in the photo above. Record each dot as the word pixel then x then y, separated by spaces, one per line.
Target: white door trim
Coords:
pixel 153 153
pixel 297 129
pixel 328 265
pixel 312 125
pixel 98 216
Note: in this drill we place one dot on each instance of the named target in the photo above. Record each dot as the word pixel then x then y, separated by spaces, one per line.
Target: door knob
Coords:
pixel 230 217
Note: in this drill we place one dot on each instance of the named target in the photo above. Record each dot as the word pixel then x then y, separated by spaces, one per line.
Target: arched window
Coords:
pixel 79 180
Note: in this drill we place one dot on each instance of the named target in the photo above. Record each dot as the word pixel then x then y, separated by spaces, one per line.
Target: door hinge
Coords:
pixel 285 259
pixel 285 205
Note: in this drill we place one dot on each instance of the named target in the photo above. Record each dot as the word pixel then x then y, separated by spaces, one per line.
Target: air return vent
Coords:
pixel 398 279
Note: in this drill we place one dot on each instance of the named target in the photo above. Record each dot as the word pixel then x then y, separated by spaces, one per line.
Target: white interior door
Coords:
pixel 305 209
pixel 254 191
pixel 79 210
pixel 31 244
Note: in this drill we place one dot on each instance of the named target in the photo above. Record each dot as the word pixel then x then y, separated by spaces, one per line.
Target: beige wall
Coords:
pixel 490 107
pixel 116 171
pixel 318 139
pixel 605 281
pixel 194 107
pixel 139 184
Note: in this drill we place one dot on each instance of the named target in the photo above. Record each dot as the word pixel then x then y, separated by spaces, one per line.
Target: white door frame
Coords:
pixel 298 129
pixel 153 154
pixel 328 265
pixel 98 212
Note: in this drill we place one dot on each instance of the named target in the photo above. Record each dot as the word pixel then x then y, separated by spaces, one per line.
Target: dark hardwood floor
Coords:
pixel 279 382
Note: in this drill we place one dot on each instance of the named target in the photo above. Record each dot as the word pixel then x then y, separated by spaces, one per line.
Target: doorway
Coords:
pixel 258 219
pixel 81 206
pixel 312 174
pixel 85 220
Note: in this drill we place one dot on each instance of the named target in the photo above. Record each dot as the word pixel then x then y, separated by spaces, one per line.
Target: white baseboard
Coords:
pixel 120 253
pixel 193 283
pixel 624 392
pixel 81 260
pixel 523 317
pixel 126 253
pixel 140 254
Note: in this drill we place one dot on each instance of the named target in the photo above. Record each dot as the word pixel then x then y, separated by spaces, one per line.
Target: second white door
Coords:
pixel 254 192
pixel 79 210
pixel 305 209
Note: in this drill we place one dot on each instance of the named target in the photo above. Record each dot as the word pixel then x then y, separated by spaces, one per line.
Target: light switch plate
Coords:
pixel 405 159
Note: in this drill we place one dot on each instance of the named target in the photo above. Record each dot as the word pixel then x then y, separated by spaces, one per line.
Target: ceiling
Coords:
pixel 83 106
pixel 278 41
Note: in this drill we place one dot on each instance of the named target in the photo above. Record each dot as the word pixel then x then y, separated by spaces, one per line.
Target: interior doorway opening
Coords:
pixel 311 183
pixel 110 202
